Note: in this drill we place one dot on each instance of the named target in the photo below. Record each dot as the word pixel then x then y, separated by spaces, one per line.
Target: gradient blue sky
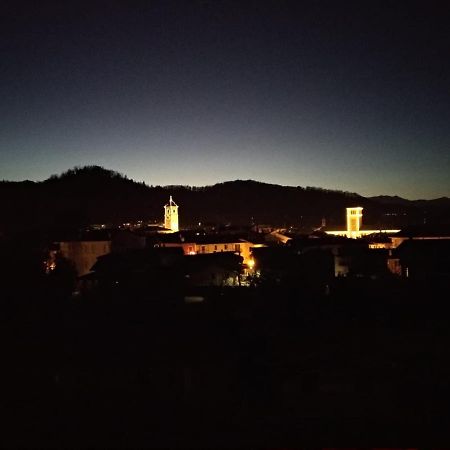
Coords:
pixel 351 96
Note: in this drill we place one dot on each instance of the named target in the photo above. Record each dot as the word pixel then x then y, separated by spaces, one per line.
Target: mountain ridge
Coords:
pixel 93 194
pixel 97 170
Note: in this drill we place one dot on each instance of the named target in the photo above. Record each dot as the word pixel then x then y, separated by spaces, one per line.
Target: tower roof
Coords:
pixel 171 202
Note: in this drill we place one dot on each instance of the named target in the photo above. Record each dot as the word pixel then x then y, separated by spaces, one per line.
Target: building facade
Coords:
pixel 84 254
pixel 216 245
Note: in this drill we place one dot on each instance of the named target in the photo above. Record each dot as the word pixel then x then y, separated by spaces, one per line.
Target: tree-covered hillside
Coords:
pixel 92 194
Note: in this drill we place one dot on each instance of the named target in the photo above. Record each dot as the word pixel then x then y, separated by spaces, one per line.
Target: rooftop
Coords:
pixel 426 230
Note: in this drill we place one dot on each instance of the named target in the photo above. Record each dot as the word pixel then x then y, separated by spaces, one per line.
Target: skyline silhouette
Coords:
pixel 343 96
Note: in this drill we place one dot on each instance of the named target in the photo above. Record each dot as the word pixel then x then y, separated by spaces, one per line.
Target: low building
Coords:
pixel 213 269
pixel 421 233
pixel 83 253
pixel 311 269
pixel 278 236
pixel 193 244
pixel 424 259
pixel 140 273
pixel 80 248
pixel 124 240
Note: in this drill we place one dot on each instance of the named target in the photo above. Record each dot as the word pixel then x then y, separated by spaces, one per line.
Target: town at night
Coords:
pixel 225 224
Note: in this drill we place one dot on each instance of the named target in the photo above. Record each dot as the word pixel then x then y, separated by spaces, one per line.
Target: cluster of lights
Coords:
pixel 131 225
pixel 50 266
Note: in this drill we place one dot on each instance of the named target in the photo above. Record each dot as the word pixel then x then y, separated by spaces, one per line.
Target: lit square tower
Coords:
pixel 354 220
pixel 171 215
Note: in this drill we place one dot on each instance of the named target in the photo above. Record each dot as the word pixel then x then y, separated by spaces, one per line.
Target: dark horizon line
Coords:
pixel 81 167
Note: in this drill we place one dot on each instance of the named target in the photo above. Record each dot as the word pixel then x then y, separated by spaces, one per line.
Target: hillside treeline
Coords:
pixel 92 194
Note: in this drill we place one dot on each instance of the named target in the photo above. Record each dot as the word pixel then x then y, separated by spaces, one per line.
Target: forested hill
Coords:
pixel 93 194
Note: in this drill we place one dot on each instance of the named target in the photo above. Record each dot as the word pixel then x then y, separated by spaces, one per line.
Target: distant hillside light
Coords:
pixel 171 215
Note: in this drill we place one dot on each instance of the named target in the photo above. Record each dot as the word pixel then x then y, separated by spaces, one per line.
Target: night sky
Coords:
pixel 341 95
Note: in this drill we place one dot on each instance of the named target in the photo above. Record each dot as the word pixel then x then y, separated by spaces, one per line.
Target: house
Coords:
pixel 415 233
pixel 124 240
pixel 312 269
pixel 82 249
pixel 424 259
pixel 348 254
pixel 84 254
pixel 196 244
pixel 142 271
pixel 423 232
pixel 213 269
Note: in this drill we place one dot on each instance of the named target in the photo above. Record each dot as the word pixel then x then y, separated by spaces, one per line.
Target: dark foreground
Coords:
pixel 368 364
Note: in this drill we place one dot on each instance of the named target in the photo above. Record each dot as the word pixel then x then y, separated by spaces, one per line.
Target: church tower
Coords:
pixel 354 219
pixel 171 215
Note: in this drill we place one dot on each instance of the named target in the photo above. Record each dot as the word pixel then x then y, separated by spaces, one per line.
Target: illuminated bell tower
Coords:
pixel 354 220
pixel 171 215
